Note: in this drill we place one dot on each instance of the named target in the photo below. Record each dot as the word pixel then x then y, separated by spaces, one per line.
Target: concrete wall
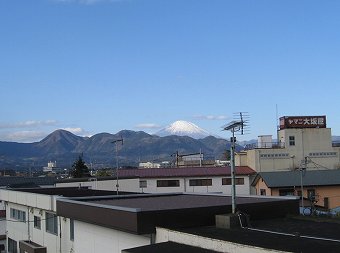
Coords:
pixel 90 238
pixel 164 235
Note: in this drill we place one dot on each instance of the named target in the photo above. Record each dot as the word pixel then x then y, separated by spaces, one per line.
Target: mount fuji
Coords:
pixel 183 128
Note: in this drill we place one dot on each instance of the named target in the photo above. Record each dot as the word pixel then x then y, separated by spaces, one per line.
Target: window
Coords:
pixel 263 192
pixel 143 184
pixel 18 215
pixel 286 192
pixel 227 181
pixel 51 223
pixel 167 183
pixel 37 222
pixel 200 182
pixel 71 229
pixel 12 246
pixel 291 140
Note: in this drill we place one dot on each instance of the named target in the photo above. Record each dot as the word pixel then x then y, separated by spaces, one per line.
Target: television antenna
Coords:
pixel 238 125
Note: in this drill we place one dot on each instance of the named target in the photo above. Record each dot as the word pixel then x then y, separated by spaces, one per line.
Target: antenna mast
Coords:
pixel 238 125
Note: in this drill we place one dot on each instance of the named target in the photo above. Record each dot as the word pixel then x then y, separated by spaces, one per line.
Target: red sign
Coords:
pixel 303 122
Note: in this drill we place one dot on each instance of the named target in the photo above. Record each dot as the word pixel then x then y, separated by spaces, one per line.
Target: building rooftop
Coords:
pixel 167 247
pixel 18 182
pixel 293 178
pixel 176 201
pixel 286 234
pixel 140 214
pixel 171 173
pixel 72 191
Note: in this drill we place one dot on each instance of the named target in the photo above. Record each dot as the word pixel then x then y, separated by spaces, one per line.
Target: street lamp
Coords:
pixel 116 142
pixel 233 126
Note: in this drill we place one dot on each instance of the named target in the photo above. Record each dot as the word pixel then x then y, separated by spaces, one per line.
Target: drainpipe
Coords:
pixel 60 234
pixel 28 224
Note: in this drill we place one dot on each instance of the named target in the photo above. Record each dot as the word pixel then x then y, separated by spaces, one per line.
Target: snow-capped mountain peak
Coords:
pixel 183 128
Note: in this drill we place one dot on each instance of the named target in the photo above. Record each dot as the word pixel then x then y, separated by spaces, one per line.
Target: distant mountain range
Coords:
pixel 99 151
pixel 64 148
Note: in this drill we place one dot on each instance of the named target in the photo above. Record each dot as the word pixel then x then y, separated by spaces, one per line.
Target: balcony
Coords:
pixel 31 247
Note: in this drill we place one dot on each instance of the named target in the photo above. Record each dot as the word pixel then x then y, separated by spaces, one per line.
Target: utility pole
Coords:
pixel 117 166
pixel 303 168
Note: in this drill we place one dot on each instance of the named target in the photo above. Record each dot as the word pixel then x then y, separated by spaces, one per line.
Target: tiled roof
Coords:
pixel 183 172
pixel 18 181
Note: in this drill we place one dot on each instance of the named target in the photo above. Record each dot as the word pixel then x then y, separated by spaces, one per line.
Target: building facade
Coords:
pixel 301 140
pixel 167 180
pixel 319 187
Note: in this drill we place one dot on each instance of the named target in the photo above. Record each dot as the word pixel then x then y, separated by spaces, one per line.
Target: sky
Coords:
pixel 93 66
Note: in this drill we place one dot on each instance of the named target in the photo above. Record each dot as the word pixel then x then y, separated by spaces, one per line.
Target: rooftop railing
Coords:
pixel 336 144
pixel 268 145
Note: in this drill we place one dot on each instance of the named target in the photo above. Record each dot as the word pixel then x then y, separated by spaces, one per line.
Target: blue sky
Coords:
pixel 92 66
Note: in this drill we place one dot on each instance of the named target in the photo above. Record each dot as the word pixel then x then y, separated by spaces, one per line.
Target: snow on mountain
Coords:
pixel 183 128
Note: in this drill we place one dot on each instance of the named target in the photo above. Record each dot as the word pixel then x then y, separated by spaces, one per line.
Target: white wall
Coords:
pixel 132 185
pixel 41 201
pixel 164 235
pixel 34 206
pixel 90 238
pixel 185 186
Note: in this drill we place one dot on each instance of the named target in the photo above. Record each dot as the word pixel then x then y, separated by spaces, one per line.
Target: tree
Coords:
pixel 103 173
pixel 226 154
pixel 79 168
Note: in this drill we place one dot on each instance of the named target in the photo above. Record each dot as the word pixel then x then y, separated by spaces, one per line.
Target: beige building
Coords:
pixel 320 186
pixel 303 141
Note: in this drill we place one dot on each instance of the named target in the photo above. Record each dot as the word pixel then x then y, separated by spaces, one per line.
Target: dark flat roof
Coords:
pixel 160 202
pixel 71 191
pixel 292 243
pixel 18 181
pixel 167 247
pixel 140 214
pixel 185 172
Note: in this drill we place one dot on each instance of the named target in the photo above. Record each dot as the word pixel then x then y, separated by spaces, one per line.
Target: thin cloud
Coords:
pixel 23 136
pixel 28 124
pixel 212 117
pixel 77 131
pixel 147 126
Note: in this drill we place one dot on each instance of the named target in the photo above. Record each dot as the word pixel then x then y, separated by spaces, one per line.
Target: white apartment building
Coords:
pixel 167 180
pixel 303 141
pixel 49 220
pixel 32 223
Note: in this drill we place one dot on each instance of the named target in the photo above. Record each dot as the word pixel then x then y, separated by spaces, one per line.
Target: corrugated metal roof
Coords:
pixel 12 181
pixel 293 178
pixel 183 172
